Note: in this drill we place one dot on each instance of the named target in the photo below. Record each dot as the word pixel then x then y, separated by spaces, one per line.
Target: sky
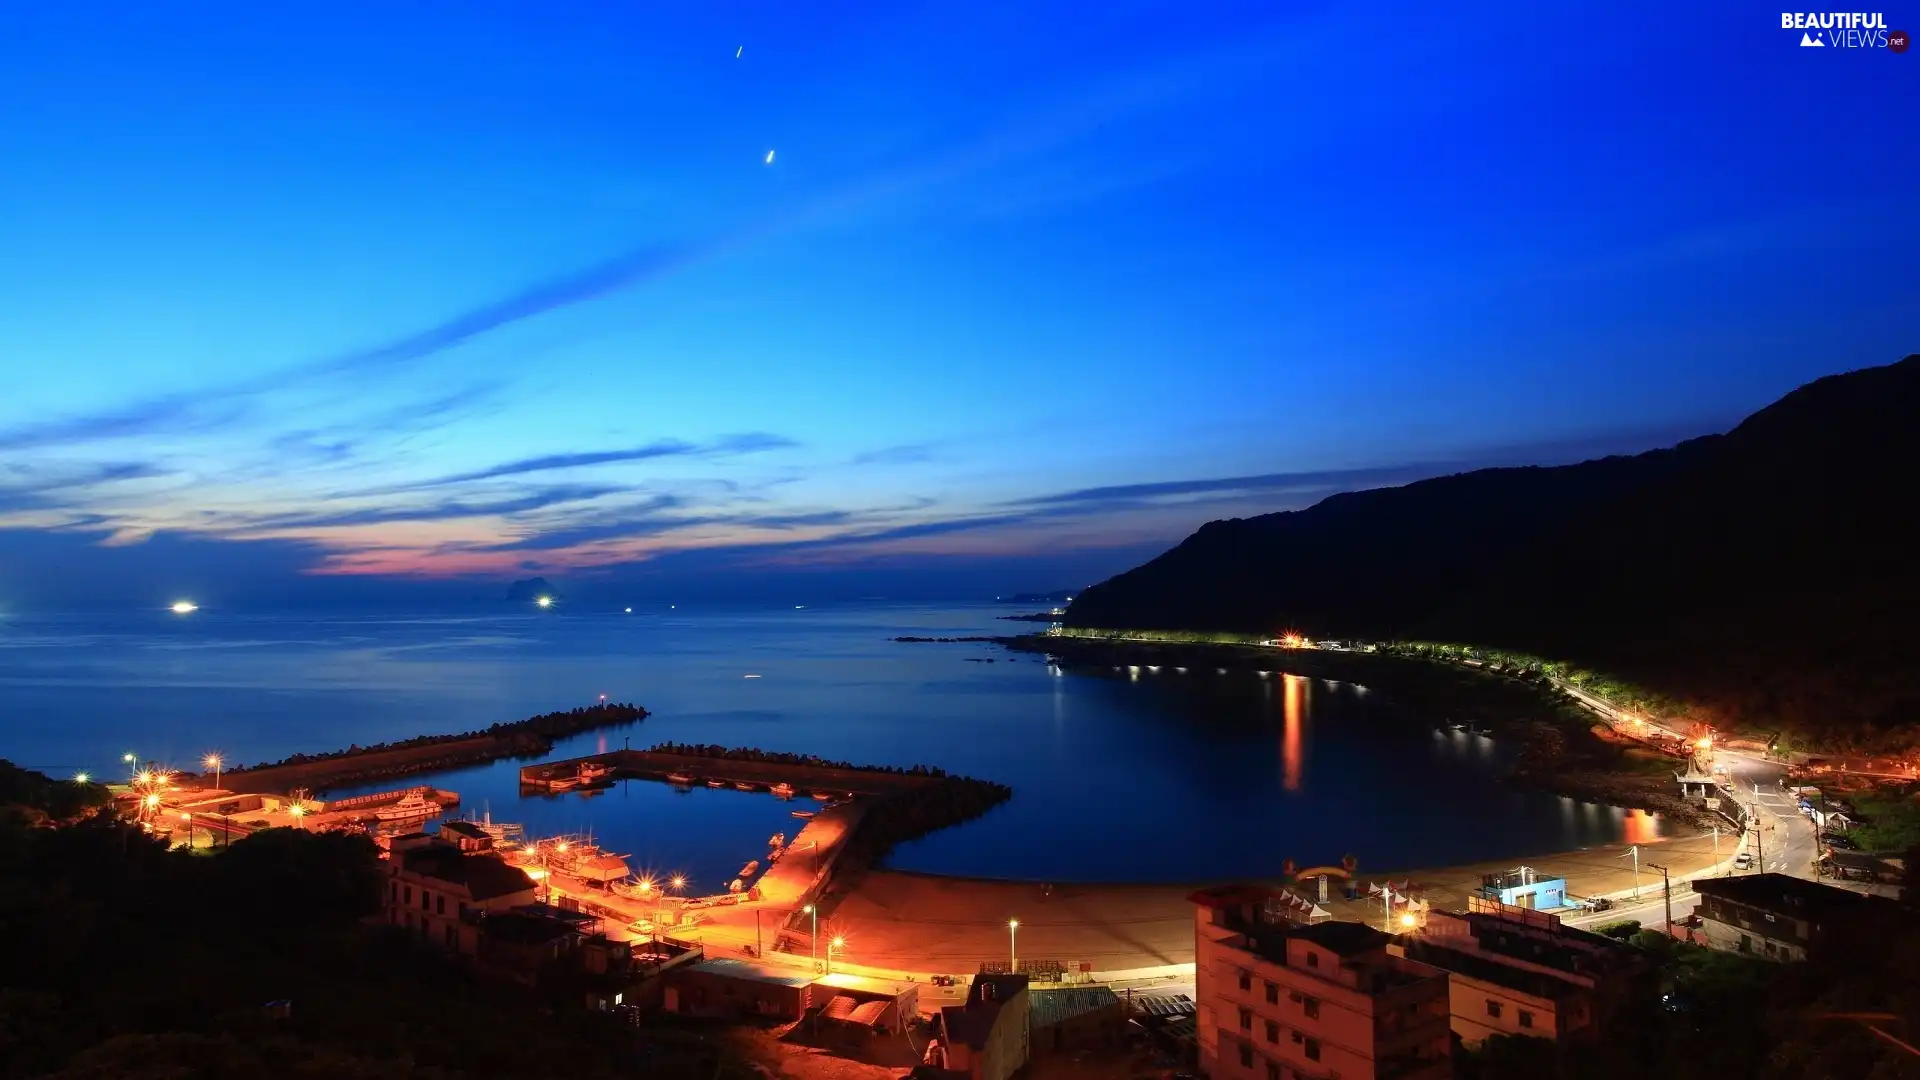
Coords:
pixel 363 300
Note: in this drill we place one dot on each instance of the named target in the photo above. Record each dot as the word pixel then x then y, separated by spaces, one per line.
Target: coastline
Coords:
pixel 1557 751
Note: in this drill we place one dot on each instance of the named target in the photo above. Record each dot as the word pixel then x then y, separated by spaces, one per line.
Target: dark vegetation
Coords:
pixel 35 798
pixel 126 961
pixel 521 738
pixel 1765 574
pixel 945 640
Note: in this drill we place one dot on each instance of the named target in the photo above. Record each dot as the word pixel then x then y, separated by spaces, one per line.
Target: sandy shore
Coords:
pixel 929 923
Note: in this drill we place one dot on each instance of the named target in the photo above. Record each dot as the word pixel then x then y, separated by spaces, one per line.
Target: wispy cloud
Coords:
pixel 753 442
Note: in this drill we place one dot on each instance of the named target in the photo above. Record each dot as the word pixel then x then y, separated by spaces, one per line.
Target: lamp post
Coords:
pixel 836 943
pixel 814 938
pixel 1013 945
pixel 212 761
pixel 299 813
pixel 187 816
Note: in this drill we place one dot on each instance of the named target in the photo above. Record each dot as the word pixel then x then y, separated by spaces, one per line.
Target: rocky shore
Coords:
pixel 1556 750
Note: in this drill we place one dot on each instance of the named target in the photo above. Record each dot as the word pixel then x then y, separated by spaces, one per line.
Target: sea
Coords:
pixel 1118 774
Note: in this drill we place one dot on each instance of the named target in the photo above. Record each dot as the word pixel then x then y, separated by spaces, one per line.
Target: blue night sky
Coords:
pixel 298 298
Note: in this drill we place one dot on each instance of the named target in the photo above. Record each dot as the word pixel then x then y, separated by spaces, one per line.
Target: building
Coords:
pixel 1277 1000
pixel 436 890
pixel 865 1003
pixel 734 989
pixel 1513 971
pixel 1076 1018
pixel 1521 887
pixel 989 1037
pixel 1777 917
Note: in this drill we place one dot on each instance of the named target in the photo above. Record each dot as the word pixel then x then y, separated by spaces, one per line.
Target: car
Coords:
pixel 1599 903
pixel 1743 861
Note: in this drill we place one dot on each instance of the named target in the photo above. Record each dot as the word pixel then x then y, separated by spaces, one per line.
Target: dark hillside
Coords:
pixel 1763 572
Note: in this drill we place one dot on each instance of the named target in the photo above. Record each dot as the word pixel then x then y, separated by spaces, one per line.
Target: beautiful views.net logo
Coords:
pixel 1845 30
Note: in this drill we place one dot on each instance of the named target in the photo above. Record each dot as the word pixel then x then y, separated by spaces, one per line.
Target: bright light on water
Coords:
pixel 545 601
pixel 185 607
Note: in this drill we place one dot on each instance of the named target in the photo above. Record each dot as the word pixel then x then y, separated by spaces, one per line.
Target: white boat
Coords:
pixel 803 814
pixel 744 786
pixel 681 779
pixel 411 808
pixel 783 790
pixel 748 870
pixel 716 783
pixel 823 796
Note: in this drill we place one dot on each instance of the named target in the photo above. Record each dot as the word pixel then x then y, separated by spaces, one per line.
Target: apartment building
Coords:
pixel 1777 917
pixel 435 889
pixel 1515 971
pixel 1279 1000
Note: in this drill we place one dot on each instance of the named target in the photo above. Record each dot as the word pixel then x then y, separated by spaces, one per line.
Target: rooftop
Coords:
pixel 1054 1006
pixel 1477 965
pixel 529 928
pixel 1784 895
pixel 728 967
pixel 485 877
pixel 1342 938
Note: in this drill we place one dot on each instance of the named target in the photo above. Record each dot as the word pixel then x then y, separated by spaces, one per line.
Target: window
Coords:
pixel 1313 1049
pixel 1493 1008
pixel 409 898
pixel 1313 958
pixel 1312 1006
pixel 1246 981
pixel 1526 1018
pixel 393 892
pixel 1246 1019
pixel 1246 1055
pixel 426 900
pixel 1273 1032
pixel 1273 994
pixel 1273 1071
pixel 439 905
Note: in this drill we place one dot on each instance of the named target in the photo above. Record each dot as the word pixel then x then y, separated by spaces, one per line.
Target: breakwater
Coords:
pixel 428 753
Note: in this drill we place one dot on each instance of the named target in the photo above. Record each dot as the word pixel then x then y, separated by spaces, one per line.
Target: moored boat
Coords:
pixel 716 783
pixel 681 779
pixel 748 870
pixel 743 785
pixel 803 814
pixel 823 796
pixel 784 790
pixel 413 807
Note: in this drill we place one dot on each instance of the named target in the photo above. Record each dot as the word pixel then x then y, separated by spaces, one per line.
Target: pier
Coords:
pixel 758 775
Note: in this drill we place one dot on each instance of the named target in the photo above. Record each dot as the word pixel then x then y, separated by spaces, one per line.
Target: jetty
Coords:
pixel 427 753
pixel 685 768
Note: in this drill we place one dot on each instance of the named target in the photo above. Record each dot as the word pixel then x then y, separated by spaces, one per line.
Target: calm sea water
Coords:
pixel 1117 775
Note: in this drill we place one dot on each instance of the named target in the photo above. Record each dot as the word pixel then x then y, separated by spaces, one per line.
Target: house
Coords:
pixel 1777 917
pixel 1278 1000
pixel 873 1005
pixel 435 890
pixel 988 1037
pixel 1076 1018
pixel 1514 971
pixel 734 989
pixel 1522 887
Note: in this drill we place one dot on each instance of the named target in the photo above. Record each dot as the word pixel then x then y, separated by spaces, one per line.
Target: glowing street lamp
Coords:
pixel 80 778
pixel 187 816
pixel 299 813
pixel 836 943
pixel 1407 921
pixel 545 601
pixel 677 882
pixel 815 939
pixel 212 761
pixel 1013 944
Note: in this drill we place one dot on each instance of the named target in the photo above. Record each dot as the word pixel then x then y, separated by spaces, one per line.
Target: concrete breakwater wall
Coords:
pixel 765 770
pixel 428 753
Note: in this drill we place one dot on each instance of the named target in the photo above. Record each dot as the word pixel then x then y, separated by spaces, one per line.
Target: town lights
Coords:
pixel 678 882
pixel 1408 921
pixel 1013 944
pixel 212 761
pixel 299 812
pixel 836 943
pixel 814 938
pixel 80 778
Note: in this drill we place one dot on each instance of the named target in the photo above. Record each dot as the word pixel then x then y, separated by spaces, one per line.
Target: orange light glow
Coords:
pixel 1641 827
pixel 153 801
pixel 1294 698
pixel 1704 744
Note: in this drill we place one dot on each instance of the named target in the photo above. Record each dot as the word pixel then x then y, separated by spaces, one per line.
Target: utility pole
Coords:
pixel 1716 847
pixel 1635 852
pixel 756 933
pixel 1666 885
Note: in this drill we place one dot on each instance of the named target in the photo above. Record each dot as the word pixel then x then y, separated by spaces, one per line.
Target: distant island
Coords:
pixel 1762 577
pixel 530 590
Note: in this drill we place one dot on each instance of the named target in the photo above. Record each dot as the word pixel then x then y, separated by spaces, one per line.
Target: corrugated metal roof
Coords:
pixel 1053 1006
pixel 728 967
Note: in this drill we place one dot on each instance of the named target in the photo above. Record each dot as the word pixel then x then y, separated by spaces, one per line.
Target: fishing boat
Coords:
pixel 592 774
pixel 748 870
pixel 716 783
pixel 681 779
pixel 504 836
pixel 412 808
pixel 784 790
pixel 803 814
pixel 823 796
pixel 743 785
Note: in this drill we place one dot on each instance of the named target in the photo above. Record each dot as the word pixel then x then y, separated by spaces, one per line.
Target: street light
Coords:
pixel 815 938
pixel 1013 945
pixel 212 761
pixel 80 778
pixel 678 882
pixel 299 812
pixel 836 943
pixel 187 816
